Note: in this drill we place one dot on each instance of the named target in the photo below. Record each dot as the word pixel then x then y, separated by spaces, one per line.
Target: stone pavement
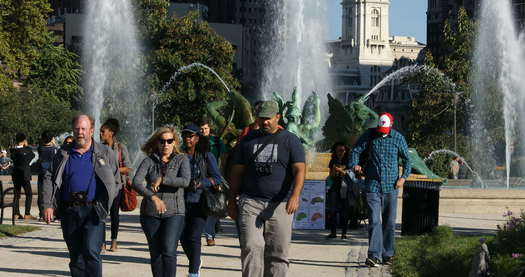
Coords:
pixel 43 253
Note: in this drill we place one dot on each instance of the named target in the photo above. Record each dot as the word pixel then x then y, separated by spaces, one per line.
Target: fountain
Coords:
pixel 477 177
pixel 497 75
pixel 293 50
pixel 188 67
pixel 111 56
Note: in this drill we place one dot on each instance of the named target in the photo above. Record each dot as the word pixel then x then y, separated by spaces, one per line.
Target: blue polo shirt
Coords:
pixel 79 175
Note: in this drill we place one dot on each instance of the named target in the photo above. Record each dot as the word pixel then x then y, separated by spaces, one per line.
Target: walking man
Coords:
pixel 21 175
pixel 267 178
pixel 382 149
pixel 81 184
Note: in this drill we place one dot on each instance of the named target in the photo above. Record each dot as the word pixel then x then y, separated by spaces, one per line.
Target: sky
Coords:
pixel 407 18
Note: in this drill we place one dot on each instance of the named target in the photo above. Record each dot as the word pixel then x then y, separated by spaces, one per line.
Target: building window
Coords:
pixel 375 18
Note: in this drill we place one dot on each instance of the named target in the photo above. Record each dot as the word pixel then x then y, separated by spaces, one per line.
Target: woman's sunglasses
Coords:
pixel 168 141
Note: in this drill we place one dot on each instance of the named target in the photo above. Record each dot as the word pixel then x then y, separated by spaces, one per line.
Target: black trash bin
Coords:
pixel 420 206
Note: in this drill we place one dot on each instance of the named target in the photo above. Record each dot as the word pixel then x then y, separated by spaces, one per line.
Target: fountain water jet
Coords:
pixel 112 58
pixel 476 176
pixel 498 65
pixel 293 52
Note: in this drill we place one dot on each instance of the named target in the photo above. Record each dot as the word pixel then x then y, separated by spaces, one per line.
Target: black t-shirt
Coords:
pixel 282 150
pixel 21 158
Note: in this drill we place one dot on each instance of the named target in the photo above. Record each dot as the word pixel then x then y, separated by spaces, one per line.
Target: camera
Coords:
pixel 79 197
pixel 263 168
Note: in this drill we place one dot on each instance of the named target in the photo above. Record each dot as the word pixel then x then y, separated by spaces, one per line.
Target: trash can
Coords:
pixel 420 206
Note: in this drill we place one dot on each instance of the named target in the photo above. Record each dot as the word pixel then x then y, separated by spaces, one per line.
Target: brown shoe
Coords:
pixel 19 216
pixel 113 245
pixel 210 242
pixel 30 217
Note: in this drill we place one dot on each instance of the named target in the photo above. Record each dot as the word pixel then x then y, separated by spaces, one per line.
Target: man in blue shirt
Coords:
pixel 381 147
pixel 81 184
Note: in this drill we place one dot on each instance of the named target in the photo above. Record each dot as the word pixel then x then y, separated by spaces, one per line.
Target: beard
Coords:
pixel 81 142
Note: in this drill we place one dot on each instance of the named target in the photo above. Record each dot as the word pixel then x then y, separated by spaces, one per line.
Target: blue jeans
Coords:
pixel 209 229
pixel 191 237
pixel 82 230
pixel 163 237
pixel 382 209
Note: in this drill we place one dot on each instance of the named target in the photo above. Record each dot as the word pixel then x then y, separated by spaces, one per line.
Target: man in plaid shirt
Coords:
pixel 382 148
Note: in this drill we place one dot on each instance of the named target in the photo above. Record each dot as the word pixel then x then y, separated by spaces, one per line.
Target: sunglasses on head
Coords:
pixel 168 141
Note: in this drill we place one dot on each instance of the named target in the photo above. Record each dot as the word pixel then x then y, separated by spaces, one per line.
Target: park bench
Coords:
pixel 3 204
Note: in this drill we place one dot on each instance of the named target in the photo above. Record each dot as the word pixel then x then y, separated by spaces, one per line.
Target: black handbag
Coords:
pixel 214 202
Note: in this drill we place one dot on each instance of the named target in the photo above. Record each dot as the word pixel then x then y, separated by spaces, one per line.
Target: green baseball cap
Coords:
pixel 267 109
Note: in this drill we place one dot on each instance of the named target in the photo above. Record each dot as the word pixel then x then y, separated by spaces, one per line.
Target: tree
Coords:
pixel 174 42
pixel 57 72
pixel 28 55
pixel 32 112
pixel 431 121
pixel 22 34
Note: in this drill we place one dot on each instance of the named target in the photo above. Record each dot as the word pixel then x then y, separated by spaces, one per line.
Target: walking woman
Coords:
pixel 166 172
pixel 204 175
pixel 108 133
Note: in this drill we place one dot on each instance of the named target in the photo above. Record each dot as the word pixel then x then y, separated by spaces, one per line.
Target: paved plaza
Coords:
pixel 44 253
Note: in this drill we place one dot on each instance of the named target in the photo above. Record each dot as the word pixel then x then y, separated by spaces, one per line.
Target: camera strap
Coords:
pixel 268 139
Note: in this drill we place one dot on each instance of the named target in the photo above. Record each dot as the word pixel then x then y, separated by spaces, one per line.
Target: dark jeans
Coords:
pixel 163 237
pixel 191 237
pixel 82 230
pixel 19 183
pixel 209 229
pixel 382 209
pixel 115 217
pixel 337 206
pixel 40 199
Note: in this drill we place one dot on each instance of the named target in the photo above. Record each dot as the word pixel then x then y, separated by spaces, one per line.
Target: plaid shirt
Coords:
pixel 382 166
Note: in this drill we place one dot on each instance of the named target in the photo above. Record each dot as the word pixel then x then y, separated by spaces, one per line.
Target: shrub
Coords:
pixel 508 247
pixel 440 253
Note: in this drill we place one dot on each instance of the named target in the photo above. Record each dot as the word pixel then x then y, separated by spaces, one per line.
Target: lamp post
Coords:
pixel 154 100
pixel 455 124
pixel 456 98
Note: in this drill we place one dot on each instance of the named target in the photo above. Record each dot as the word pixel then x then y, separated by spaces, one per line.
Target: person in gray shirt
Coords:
pixel 166 173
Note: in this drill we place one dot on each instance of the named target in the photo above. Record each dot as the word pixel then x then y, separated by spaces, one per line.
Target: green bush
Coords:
pixel 440 253
pixel 508 247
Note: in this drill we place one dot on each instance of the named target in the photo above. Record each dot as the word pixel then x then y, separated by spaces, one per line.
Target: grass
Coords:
pixel 10 230
pixel 440 253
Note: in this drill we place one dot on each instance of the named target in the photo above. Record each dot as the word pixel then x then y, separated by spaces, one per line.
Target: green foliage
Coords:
pixel 440 253
pixel 22 34
pixel 178 41
pixel 458 43
pixel 509 246
pixel 443 254
pixel 27 53
pixel 508 266
pixel 13 230
pixel 32 112
pixel 57 72
pixel 431 122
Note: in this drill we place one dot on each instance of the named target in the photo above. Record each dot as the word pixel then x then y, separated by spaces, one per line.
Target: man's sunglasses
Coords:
pixel 168 141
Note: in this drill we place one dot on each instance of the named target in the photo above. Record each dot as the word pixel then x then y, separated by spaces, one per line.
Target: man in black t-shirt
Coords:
pixel 22 155
pixel 267 179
